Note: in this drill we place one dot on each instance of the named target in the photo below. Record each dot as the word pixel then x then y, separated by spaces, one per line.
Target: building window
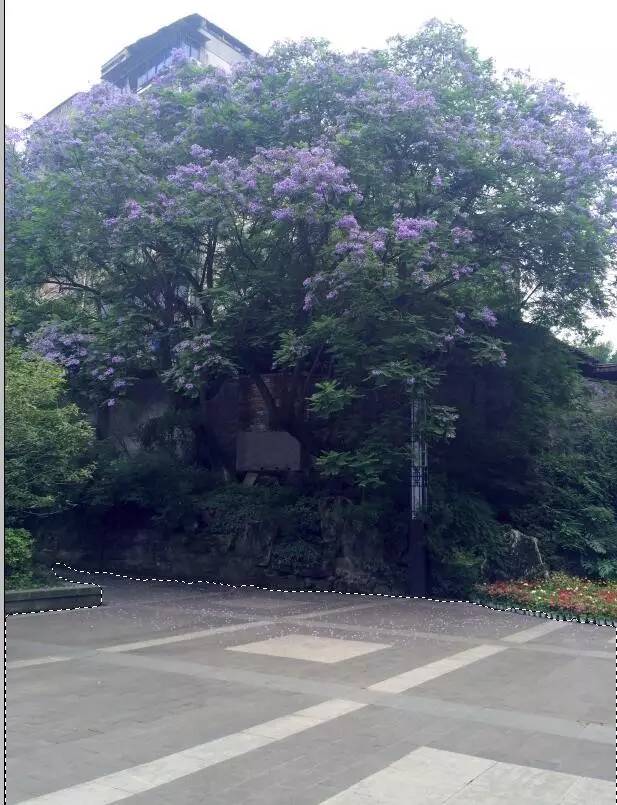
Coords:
pixel 164 60
pixel 146 77
pixel 192 51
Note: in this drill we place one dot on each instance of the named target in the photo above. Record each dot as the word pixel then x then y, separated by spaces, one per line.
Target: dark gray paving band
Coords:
pixel 509 719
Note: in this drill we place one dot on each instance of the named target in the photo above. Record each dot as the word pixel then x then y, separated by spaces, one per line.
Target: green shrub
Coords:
pixel 45 441
pixel 575 511
pixel 300 520
pixel 297 557
pixel 231 507
pixel 18 556
pixel 152 487
pixel 464 541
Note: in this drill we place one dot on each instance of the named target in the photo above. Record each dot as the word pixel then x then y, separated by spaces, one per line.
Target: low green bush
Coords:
pixel 150 488
pixel 465 541
pixel 18 557
pixel 46 441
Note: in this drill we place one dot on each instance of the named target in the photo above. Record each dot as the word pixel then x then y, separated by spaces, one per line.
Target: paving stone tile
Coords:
pixel 314 648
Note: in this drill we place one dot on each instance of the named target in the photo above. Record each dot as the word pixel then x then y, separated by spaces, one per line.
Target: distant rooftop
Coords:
pixel 593 368
pixel 192 30
pixel 136 65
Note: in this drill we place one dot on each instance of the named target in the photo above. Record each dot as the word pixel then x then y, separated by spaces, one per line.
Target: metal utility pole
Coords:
pixel 418 488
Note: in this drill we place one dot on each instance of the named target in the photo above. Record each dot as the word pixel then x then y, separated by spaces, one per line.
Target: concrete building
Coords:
pixel 134 67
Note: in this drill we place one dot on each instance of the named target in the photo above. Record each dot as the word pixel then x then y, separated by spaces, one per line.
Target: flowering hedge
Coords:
pixel 560 593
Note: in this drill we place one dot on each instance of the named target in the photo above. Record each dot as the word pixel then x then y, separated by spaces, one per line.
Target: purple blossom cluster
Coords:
pixel 328 286
pixel 348 223
pixel 283 214
pixel 422 277
pixel 461 271
pixel 487 316
pixel 457 331
pixel 461 235
pixel 357 241
pixel 387 93
pixel 133 209
pixel 193 345
pixel 195 360
pixel 292 182
pixel 214 87
pixel 309 301
pixel 79 354
pixel 191 357
pixel 197 152
pixel 412 228
pixel 56 345
pixel 308 175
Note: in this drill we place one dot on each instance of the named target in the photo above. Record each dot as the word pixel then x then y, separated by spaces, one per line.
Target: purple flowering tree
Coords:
pixel 365 220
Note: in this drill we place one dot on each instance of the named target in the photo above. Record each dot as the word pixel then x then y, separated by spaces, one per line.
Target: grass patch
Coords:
pixel 30 580
pixel 561 594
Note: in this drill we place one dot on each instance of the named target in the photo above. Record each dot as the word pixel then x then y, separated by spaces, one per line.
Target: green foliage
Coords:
pixel 464 540
pixel 362 468
pixel 292 347
pixel 505 417
pixel 603 351
pixel 18 554
pixel 440 423
pixel 153 486
pixel 46 440
pixel 330 398
pixel 575 510
pixel 296 556
pixel 542 457
pixel 300 520
pixel 233 506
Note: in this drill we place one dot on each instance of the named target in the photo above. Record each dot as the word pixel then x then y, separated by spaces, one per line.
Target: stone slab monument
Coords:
pixel 267 451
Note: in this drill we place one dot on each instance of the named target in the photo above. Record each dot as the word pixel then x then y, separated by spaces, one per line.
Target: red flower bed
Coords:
pixel 559 593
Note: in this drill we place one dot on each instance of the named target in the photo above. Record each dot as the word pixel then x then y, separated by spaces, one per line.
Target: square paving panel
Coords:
pixel 310 647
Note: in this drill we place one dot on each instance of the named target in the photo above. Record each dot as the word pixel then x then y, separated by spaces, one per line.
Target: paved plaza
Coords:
pixel 183 694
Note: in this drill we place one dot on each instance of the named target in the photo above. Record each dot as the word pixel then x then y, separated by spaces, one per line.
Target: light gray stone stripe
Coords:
pixel 427 776
pixel 434 776
pixel 135 780
pixel 433 670
pixel 15 664
pixel 336 610
pixel 534 632
pixel 186 636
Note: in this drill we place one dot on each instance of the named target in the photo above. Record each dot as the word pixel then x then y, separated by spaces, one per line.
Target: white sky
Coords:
pixel 56 47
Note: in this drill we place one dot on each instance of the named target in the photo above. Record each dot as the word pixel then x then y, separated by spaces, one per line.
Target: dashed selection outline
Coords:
pixel 191 582
pixel 533 613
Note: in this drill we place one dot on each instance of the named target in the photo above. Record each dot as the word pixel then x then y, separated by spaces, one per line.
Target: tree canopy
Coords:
pixel 361 222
